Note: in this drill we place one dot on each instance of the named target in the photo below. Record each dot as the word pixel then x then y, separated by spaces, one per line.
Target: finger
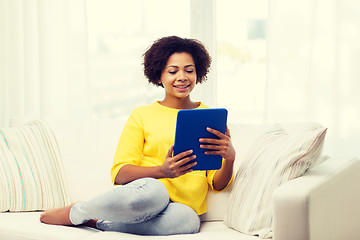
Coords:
pixel 170 152
pixel 184 161
pixel 211 147
pixel 216 132
pixel 215 152
pixel 187 166
pixel 182 155
pixel 189 169
pixel 227 132
pixel 210 140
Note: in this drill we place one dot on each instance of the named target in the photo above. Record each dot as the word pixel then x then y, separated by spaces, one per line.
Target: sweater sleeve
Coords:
pixel 210 179
pixel 130 146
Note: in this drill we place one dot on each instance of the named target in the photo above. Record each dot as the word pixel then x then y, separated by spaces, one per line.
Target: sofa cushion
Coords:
pixel 208 231
pixel 243 137
pixel 26 226
pixel 31 175
pixel 274 158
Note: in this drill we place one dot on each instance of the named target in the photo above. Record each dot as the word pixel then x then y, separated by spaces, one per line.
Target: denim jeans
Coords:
pixel 139 207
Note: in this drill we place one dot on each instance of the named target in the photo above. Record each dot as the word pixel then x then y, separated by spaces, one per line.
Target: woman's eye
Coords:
pixel 172 72
pixel 189 71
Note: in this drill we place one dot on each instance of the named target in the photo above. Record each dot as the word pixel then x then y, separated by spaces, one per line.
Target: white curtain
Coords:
pixel 43 59
pixel 313 68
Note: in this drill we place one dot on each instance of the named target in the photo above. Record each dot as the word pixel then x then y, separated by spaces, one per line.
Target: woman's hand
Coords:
pixel 173 166
pixel 222 146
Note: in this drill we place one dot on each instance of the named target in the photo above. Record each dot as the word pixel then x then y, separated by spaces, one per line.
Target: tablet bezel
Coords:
pixel 191 125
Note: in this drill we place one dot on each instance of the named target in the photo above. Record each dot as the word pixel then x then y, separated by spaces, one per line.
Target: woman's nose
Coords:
pixel 182 76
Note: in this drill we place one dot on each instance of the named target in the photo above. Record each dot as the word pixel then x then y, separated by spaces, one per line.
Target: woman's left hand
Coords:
pixel 222 146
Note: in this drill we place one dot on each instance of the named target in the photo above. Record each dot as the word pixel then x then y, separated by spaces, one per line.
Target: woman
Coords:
pixel 158 193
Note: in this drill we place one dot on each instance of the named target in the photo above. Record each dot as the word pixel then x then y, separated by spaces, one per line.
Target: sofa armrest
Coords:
pixel 322 204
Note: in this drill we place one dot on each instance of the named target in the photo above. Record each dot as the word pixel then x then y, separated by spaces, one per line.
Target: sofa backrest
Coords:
pixel 88 147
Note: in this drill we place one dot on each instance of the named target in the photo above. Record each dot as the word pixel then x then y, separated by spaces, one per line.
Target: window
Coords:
pixel 241 58
pixel 119 33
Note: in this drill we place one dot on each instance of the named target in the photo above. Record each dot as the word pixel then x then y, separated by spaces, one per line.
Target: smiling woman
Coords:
pixel 158 185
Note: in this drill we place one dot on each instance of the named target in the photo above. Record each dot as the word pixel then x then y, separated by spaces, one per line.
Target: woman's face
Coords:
pixel 179 75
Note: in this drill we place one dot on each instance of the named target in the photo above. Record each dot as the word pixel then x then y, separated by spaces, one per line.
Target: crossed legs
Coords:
pixel 140 207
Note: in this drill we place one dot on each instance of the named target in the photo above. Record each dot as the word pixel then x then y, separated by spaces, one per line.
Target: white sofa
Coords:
pixel 322 204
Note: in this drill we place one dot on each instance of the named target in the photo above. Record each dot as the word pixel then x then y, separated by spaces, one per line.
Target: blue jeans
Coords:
pixel 139 207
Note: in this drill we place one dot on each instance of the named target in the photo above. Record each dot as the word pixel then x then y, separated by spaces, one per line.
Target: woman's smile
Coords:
pixel 182 88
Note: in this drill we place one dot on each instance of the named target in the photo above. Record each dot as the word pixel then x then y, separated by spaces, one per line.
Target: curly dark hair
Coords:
pixel 156 57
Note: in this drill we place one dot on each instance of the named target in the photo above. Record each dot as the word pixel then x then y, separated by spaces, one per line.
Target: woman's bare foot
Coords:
pixel 57 216
pixel 91 223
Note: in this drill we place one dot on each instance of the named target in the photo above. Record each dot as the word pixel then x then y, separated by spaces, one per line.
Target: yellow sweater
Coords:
pixel 145 141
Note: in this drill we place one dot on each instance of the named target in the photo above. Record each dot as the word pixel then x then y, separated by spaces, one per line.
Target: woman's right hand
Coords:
pixel 175 166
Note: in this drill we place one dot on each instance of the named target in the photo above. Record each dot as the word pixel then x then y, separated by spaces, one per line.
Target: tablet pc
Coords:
pixel 191 125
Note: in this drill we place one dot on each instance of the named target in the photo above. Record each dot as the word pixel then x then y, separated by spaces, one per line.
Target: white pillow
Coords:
pixel 31 176
pixel 276 157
